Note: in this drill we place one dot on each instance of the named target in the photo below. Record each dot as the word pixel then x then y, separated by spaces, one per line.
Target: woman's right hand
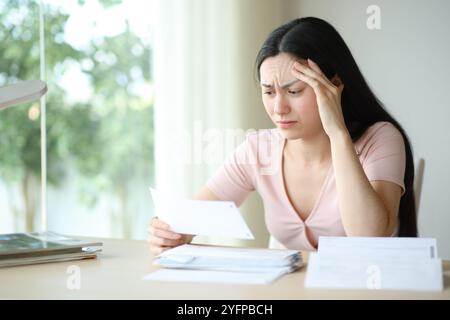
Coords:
pixel 161 238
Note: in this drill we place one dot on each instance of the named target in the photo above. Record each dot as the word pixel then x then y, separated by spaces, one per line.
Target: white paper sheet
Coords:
pixel 206 276
pixel 205 218
pixel 375 263
pixel 331 271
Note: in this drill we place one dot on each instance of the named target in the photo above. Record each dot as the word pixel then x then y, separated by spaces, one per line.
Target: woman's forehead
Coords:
pixel 278 69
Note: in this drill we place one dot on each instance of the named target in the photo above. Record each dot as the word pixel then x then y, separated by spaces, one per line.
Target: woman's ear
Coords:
pixel 336 80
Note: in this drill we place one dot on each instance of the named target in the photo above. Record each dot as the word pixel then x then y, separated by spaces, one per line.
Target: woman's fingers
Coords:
pixel 161 238
pixel 315 79
pixel 314 66
pixel 309 80
pixel 158 223
pixel 315 73
pixel 164 234
pixel 165 242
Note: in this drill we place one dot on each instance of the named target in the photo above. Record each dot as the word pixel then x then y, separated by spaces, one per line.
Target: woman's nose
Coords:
pixel 281 106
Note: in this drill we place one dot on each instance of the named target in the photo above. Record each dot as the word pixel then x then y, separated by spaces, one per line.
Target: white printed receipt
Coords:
pixel 201 217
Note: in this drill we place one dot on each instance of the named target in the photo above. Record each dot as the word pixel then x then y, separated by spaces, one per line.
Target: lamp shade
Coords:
pixel 21 92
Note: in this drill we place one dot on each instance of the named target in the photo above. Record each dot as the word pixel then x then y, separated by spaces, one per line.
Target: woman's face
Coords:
pixel 287 98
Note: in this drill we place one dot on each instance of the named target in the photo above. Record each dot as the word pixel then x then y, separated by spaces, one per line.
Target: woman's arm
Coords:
pixel 205 194
pixel 367 208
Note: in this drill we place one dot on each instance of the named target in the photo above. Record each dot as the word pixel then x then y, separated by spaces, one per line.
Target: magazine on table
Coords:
pixel 42 247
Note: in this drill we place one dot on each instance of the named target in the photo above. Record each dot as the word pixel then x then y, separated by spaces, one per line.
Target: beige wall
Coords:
pixel 407 65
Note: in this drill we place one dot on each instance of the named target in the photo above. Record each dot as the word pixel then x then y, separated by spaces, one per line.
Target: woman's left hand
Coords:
pixel 328 96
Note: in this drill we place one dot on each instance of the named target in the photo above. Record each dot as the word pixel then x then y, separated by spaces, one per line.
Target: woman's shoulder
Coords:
pixel 379 132
pixel 382 128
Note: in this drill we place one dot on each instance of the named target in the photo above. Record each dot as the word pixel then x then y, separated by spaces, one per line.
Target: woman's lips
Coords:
pixel 286 124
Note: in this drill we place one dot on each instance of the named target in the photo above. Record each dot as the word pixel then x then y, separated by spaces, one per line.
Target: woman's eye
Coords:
pixel 294 92
pixel 268 93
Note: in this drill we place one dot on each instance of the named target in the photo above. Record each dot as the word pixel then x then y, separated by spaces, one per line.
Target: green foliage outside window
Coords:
pixel 108 139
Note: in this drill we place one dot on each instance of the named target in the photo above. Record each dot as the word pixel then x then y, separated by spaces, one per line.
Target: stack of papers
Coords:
pixel 201 263
pixel 375 263
pixel 41 247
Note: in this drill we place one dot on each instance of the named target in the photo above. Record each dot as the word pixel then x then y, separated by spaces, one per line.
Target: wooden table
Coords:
pixel 118 273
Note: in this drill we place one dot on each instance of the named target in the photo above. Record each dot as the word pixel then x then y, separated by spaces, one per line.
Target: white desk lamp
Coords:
pixel 24 92
pixel 21 92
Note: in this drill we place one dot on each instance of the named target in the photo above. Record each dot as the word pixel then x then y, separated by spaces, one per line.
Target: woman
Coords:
pixel 346 166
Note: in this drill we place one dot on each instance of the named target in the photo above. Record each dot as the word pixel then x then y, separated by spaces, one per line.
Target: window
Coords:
pixel 99 117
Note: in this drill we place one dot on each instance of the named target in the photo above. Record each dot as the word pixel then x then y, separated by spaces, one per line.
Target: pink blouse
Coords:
pixel 256 164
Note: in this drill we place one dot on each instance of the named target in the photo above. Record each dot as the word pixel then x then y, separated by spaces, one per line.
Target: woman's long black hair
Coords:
pixel 316 39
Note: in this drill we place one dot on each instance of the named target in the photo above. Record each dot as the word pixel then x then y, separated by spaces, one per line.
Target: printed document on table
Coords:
pixel 375 263
pixel 332 271
pixel 200 217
